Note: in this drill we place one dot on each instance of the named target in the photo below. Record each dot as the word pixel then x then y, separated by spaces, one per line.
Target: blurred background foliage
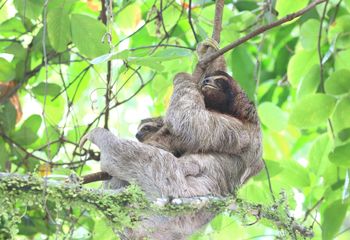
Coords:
pixel 67 67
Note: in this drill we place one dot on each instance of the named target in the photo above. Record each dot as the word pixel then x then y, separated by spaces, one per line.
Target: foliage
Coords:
pixel 66 67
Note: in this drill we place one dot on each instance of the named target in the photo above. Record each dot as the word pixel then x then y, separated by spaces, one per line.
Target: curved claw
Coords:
pixel 83 140
pixel 210 42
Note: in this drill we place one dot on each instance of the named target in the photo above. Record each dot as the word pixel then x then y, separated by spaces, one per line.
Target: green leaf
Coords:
pixel 242 69
pixel 299 65
pixel 342 60
pixel 340 118
pixel 87 34
pixel 128 19
pixel 4 155
pixel 49 89
pixel 54 110
pixel 272 116
pixel 309 32
pixel 338 82
pixel 7 71
pixel 58 29
pixel 340 30
pixel 346 190
pixel 144 62
pixel 29 8
pixel 312 110
pixel 116 55
pixel 285 7
pixel 318 155
pixel 65 5
pixel 27 134
pixel 50 135
pixel 309 83
pixel 340 156
pixel 7 116
pixel 295 175
pixel 12 27
pixel 332 219
pixel 274 168
pixel 170 54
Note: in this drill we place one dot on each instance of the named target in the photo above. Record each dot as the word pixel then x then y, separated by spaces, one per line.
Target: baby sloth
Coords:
pixel 151 131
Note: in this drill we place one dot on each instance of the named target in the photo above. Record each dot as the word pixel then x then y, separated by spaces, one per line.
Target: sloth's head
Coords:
pixel 217 89
pixel 148 127
pixel 223 94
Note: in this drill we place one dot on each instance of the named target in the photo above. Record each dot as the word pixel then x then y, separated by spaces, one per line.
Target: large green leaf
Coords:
pixel 7 71
pixel 285 7
pixel 170 54
pixel 87 34
pixel 274 168
pixel 243 69
pixel 294 174
pixel 340 30
pixel 312 110
pixel 7 116
pixel 4 155
pixel 128 19
pixel 340 118
pixel 12 27
pixel 28 133
pixel 29 8
pixel 50 89
pixel 309 33
pixel 338 82
pixel 299 65
pixel 332 219
pixel 272 116
pixel 340 156
pixel 318 155
pixel 310 82
pixel 342 60
pixel 58 29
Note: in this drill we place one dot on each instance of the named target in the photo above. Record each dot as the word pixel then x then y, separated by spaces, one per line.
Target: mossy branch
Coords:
pixel 125 206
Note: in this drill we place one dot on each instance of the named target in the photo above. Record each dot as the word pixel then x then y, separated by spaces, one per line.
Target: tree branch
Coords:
pixel 258 31
pixel 132 202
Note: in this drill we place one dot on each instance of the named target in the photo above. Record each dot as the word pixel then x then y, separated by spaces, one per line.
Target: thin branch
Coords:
pixel 307 213
pixel 190 20
pixel 258 31
pixel 269 181
pixel 219 8
pixel 319 46
pixel 160 15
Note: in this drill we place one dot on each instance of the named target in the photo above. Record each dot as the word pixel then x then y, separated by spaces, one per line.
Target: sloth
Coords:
pixel 215 128
pixel 151 131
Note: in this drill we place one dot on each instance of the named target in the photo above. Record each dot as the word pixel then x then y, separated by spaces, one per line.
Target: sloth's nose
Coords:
pixel 205 81
pixel 139 136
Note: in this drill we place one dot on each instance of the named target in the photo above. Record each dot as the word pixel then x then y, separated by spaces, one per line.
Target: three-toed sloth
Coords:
pixel 209 143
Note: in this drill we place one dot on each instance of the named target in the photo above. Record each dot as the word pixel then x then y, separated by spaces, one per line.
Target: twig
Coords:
pixel 269 181
pixel 256 32
pixel 307 213
pixel 160 14
pixel 319 45
pixel 190 20
pixel 219 7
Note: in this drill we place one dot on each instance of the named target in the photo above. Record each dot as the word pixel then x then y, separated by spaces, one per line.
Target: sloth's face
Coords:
pixel 217 92
pixel 148 128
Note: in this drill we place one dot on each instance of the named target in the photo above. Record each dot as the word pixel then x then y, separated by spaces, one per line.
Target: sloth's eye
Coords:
pixel 146 128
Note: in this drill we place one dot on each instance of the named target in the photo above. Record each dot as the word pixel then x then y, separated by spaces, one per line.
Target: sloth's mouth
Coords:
pixel 209 86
